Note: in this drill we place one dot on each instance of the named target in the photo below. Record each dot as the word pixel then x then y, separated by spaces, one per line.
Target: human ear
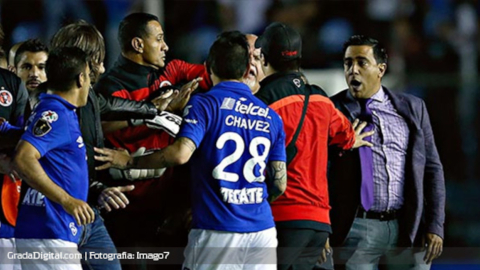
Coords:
pixel 382 68
pixel 137 44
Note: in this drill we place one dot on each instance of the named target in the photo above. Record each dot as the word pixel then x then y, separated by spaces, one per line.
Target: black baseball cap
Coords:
pixel 281 42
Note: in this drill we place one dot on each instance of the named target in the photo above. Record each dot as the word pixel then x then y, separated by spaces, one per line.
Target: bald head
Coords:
pixel 251 38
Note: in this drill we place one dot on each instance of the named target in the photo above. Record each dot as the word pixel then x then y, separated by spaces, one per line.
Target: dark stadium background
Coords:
pixel 433 53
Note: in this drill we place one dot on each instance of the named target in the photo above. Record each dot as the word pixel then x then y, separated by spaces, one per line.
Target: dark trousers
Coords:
pixel 299 249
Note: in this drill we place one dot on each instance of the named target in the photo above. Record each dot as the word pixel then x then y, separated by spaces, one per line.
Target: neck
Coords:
pixel 269 70
pixel 377 88
pixel 216 80
pixel 71 96
pixel 137 58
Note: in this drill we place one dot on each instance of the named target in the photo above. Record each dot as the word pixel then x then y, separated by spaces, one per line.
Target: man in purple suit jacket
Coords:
pixel 389 199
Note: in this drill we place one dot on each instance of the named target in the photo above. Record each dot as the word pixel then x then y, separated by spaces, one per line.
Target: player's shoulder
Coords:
pixel 8 74
pixel 210 98
pixel 275 116
pixel 52 108
pixel 409 98
pixel 109 83
pixel 201 98
pixel 48 117
pixel 8 80
pixel 199 103
pixel 51 112
pixel 175 63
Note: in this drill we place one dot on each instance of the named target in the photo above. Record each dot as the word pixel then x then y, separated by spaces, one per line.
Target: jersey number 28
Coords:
pixel 249 166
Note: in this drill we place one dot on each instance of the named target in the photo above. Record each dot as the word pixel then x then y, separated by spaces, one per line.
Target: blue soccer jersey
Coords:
pixel 54 131
pixel 236 136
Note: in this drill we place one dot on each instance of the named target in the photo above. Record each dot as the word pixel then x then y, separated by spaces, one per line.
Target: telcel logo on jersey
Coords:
pixel 250 108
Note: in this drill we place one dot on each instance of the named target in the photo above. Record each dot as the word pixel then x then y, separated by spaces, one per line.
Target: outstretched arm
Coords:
pixel 176 154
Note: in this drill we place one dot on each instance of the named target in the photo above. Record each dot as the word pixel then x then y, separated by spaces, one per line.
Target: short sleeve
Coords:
pixel 278 152
pixel 48 130
pixel 195 117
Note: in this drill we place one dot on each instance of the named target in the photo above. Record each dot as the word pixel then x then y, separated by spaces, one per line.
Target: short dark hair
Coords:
pixel 379 51
pixel 31 45
pixel 84 36
pixel 63 67
pixel 134 25
pixel 229 57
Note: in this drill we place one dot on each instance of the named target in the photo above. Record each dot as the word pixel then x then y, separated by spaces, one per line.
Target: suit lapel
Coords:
pixel 403 108
pixel 352 106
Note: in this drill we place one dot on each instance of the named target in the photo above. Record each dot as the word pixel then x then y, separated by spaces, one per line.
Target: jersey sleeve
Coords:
pixel 195 117
pixel 177 71
pixel 48 130
pixel 278 152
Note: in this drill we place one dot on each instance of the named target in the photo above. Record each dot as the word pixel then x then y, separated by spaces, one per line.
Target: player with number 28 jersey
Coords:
pixel 231 139
pixel 243 136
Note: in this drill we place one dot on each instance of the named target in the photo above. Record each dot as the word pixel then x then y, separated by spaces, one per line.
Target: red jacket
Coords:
pixel 130 80
pixel 306 196
pixel 136 82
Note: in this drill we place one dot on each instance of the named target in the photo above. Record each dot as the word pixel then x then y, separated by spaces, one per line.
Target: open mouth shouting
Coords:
pixel 355 84
pixel 252 74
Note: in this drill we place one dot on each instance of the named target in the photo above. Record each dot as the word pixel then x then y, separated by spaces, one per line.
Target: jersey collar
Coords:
pixel 45 96
pixel 280 75
pixel 133 67
pixel 234 86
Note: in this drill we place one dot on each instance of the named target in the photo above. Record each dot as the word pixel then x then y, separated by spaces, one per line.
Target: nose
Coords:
pixel 354 68
pixel 252 59
pixel 34 71
pixel 165 46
